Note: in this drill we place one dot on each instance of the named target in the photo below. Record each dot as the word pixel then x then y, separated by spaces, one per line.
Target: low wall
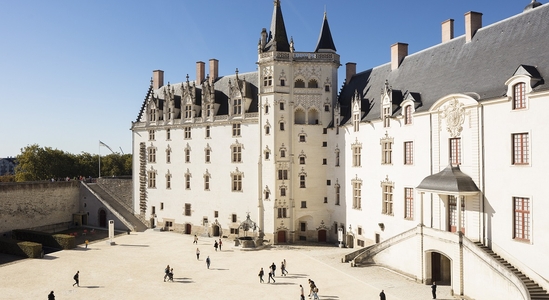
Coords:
pixel 35 204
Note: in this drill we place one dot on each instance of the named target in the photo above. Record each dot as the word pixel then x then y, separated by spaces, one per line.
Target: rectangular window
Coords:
pixel 233 218
pixel 216 214
pixel 386 116
pixel 387 205
pixel 453 214
pixel 282 174
pixel 187 131
pixel 208 155
pixel 324 144
pixel 282 212
pixel 356 121
pixel 408 153
pixel 152 155
pixel 237 183
pixel 161 205
pixel 338 194
pixel 283 192
pixel 236 130
pixel 302 138
pixel 188 181
pixel 386 152
pixel 168 182
pixel 357 156
pixel 237 106
pixel 207 131
pixel 455 151
pixel 302 226
pixel 324 161
pixel 168 134
pixel 152 179
pixel 281 126
pixel 168 156
pixel 151 135
pixel 303 204
pixel 359 230
pixel 302 181
pixel 237 154
pixel 520 149
pixel 521 219
pixel 408 115
pixel 281 106
pixel 187 155
pixel 519 96
pixel 337 159
pixel 187 209
pixel 207 183
pixel 409 203
pixel 188 111
pixel 357 194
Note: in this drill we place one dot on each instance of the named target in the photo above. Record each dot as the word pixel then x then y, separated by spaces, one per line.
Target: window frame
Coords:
pixel 522 218
pixel 520 155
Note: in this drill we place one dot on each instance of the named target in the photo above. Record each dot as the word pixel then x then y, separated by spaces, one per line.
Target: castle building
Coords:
pixel 420 163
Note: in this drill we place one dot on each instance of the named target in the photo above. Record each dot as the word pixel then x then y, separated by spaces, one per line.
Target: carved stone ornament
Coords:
pixel 454 113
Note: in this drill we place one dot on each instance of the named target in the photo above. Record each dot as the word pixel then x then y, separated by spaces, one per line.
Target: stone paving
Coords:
pixel 133 268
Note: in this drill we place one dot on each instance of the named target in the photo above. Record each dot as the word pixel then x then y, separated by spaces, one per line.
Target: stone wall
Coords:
pixel 119 188
pixel 35 204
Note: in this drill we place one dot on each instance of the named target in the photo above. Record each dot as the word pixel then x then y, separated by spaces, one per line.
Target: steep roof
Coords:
pixel 325 42
pixel 491 58
pixel 449 180
pixel 277 40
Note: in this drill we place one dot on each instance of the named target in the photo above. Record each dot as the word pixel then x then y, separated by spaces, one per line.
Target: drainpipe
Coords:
pixel 482 178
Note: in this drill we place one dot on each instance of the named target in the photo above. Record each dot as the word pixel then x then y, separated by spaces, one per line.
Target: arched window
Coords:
pixel 299 83
pixel 313 116
pixel 299 116
pixel 313 84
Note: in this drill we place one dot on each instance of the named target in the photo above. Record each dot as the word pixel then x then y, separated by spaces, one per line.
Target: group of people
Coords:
pixel 168 273
pixel 216 244
pixel 313 292
pixel 272 269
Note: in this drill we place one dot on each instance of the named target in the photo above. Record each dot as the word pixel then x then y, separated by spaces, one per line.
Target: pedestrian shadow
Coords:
pixel 226 251
pixel 219 269
pixel 183 280
pixel 328 297
pixel 294 276
pixel 129 245
pixel 92 286
pixel 284 283
pixel 49 257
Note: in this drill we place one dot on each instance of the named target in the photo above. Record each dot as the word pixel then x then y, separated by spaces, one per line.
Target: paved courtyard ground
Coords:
pixel 133 268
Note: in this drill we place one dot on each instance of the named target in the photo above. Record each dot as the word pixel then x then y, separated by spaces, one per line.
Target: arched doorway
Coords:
pixel 322 236
pixel 215 230
pixel 188 228
pixel 102 218
pixel 281 236
pixel 439 268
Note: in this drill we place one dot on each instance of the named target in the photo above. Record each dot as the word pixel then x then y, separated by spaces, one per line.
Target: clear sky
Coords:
pixel 76 72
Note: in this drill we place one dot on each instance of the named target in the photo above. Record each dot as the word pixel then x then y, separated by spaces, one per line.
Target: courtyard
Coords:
pixel 133 268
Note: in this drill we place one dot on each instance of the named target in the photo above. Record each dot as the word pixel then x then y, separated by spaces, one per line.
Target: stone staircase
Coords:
pixel 118 207
pixel 536 291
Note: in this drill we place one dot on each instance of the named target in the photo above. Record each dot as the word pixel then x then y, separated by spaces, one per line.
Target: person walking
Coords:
pixel 283 269
pixel 166 272
pixel 51 296
pixel 434 290
pixel 302 293
pixel 261 276
pixel 220 243
pixel 271 276
pixel 170 275
pixel 87 242
pixel 215 245
pixel 197 254
pixel 273 268
pixel 76 278
pixel 195 240
pixel 382 295
pixel 208 262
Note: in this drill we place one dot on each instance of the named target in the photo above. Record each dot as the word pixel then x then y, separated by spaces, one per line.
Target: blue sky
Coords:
pixel 76 72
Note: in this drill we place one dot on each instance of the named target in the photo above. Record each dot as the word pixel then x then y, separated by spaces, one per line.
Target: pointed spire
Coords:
pixel 278 39
pixel 325 41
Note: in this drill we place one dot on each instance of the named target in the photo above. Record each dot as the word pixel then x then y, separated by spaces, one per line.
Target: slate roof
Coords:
pixel 479 68
pixel 325 40
pixel 221 93
pixel 277 39
pixel 449 180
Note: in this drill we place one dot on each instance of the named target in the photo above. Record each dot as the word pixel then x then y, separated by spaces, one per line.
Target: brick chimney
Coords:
pixel 350 71
pixel 158 79
pixel 447 30
pixel 214 64
pixel 200 72
pixel 473 22
pixel 398 52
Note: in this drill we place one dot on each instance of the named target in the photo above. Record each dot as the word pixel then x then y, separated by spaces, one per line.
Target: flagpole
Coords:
pixel 99 159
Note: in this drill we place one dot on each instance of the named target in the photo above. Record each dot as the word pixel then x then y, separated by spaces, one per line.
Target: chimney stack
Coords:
pixel 447 30
pixel 214 64
pixel 158 79
pixel 350 71
pixel 398 52
pixel 473 22
pixel 200 72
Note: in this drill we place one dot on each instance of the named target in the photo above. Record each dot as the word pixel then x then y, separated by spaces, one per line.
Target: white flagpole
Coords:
pixel 99 159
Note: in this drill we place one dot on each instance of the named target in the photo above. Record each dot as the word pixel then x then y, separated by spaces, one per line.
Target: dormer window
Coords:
pixel 386 116
pixel 188 111
pixel 237 106
pixel 519 96
pixel 408 115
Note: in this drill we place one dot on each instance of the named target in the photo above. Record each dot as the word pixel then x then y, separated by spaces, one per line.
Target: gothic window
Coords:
pixel 299 116
pixel 356 121
pixel 283 191
pixel 313 84
pixel 152 155
pixel 299 83
pixel 152 114
pixel 302 158
pixel 152 178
